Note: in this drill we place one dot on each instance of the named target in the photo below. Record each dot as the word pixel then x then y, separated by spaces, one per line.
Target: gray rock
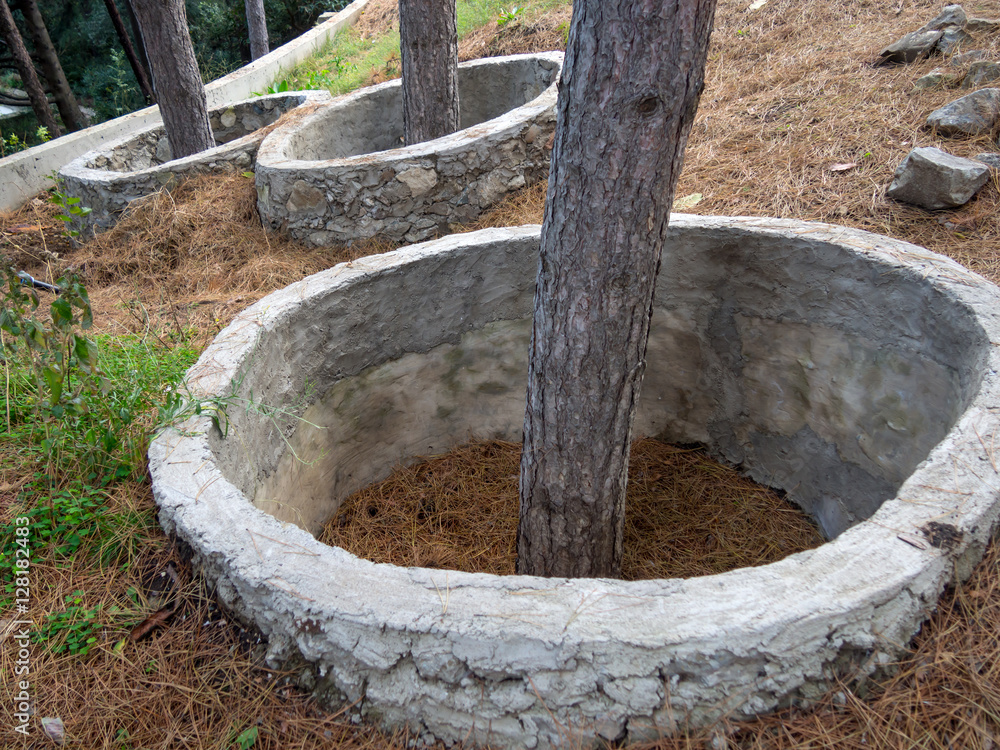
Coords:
pixel 935 79
pixel 913 46
pixel 980 25
pixel 934 179
pixel 973 114
pixel 950 15
pixel 991 160
pixel 980 72
pixel 965 58
pixel 952 39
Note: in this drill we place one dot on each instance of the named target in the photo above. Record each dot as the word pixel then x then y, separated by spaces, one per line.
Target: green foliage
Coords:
pixel 12 142
pixel 71 209
pixel 509 15
pixel 71 631
pixel 247 738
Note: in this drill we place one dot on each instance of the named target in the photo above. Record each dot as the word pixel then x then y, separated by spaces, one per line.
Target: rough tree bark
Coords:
pixel 633 73
pixel 179 90
pixel 428 43
pixel 69 109
pixel 257 28
pixel 36 94
pixel 133 59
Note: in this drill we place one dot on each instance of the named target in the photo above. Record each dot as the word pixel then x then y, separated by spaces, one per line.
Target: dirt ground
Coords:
pixel 794 122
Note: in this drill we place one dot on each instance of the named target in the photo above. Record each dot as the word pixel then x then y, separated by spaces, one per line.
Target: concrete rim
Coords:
pixel 802 628
pixel 78 169
pixel 274 150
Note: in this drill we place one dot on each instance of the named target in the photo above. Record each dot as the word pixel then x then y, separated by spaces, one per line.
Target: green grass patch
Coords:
pixel 347 62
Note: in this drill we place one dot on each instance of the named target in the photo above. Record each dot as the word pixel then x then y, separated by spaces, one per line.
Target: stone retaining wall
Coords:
pixel 108 179
pixel 339 175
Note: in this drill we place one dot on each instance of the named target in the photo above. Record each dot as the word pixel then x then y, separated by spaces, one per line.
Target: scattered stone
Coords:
pixel 965 58
pixel 952 39
pixel 950 15
pixel 979 25
pixel 980 72
pixel 973 114
pixel 990 160
pixel 934 179
pixel 914 46
pixel 935 79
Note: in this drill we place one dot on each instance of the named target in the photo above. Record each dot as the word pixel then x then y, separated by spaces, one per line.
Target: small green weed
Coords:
pixel 71 631
pixel 71 210
pixel 509 15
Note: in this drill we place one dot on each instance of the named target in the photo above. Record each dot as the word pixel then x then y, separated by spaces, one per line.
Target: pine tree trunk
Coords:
pixel 633 73
pixel 179 90
pixel 66 102
pixel 257 28
pixel 133 59
pixel 429 51
pixel 36 94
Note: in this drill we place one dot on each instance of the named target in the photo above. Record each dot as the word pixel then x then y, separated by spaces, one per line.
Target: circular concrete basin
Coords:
pixel 855 372
pixel 109 178
pixel 341 174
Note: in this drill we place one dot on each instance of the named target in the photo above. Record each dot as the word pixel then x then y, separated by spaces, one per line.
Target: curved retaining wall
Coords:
pixel 24 174
pixel 108 179
pixel 854 371
pixel 338 175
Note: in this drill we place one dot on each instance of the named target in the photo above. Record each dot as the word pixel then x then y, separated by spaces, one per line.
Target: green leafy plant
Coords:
pixel 71 209
pixel 71 631
pixel 247 738
pixel 509 15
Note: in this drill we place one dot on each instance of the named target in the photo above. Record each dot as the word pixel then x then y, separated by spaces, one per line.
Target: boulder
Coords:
pixel 913 46
pixel 990 160
pixel 950 15
pixel 952 39
pixel 973 114
pixel 936 78
pixel 980 72
pixel 934 179
pixel 964 58
pixel 982 25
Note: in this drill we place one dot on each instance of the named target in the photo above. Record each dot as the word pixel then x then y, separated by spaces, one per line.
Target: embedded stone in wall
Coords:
pixel 348 151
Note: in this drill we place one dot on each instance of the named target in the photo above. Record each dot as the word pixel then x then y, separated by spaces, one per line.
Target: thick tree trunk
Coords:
pixel 179 90
pixel 39 104
pixel 66 102
pixel 633 73
pixel 257 28
pixel 133 59
pixel 428 43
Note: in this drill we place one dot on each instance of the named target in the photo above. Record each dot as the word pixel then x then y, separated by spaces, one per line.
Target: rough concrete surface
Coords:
pixel 341 175
pixel 856 372
pixel 108 179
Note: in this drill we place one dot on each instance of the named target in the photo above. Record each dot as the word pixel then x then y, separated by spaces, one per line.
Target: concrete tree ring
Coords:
pixel 341 174
pixel 856 372
pixel 107 179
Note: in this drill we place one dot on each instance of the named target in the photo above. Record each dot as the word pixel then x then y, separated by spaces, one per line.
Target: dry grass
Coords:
pixel 686 515
pixel 790 93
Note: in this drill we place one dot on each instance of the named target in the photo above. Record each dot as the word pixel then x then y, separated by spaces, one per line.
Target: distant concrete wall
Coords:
pixel 24 174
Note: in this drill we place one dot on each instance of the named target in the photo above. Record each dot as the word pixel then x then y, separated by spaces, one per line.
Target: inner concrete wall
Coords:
pixel 374 121
pixel 816 371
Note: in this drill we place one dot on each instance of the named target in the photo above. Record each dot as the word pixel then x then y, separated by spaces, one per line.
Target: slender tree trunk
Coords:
pixel 633 73
pixel 133 59
pixel 429 51
pixel 66 102
pixel 179 90
pixel 39 104
pixel 140 47
pixel 257 27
